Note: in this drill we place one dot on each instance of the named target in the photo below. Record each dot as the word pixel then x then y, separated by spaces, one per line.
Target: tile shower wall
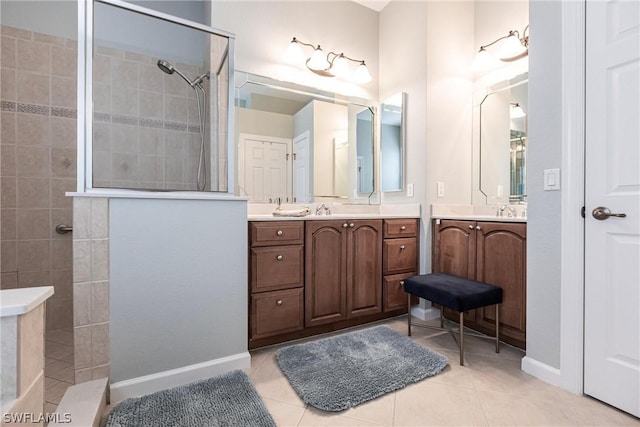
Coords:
pixel 146 129
pixel 91 288
pixel 38 153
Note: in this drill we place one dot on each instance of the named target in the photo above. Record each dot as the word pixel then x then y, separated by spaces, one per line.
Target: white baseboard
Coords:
pixel 175 377
pixel 425 313
pixel 541 371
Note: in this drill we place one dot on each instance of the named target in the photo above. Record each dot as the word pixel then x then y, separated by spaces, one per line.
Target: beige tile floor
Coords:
pixel 58 366
pixel 490 390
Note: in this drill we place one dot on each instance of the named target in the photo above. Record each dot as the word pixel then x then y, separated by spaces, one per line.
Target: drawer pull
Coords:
pixel 402 247
pixel 401 282
pixel 403 228
pixel 279 257
pixel 279 302
pixel 279 233
pixel 470 227
pixel 351 225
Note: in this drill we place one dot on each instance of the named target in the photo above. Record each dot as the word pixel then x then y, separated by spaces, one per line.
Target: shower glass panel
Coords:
pixel 160 90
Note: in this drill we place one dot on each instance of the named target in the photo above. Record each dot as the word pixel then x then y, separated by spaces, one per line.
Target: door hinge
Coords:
pixel 582 212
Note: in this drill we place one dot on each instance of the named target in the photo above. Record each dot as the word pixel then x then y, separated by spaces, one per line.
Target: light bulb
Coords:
pixel 294 53
pixel 318 61
pixel 516 111
pixel 362 74
pixel 340 67
pixel 483 61
pixel 511 48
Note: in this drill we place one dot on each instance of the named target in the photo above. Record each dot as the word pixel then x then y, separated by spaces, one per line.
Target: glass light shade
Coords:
pixel 483 61
pixel 511 48
pixel 318 61
pixel 340 67
pixel 516 111
pixel 294 53
pixel 362 74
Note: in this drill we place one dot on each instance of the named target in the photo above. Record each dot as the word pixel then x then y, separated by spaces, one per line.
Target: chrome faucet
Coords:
pixel 319 209
pixel 511 212
pixel 279 202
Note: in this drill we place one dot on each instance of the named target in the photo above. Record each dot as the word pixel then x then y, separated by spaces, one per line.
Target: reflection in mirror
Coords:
pixel 503 142
pixel 392 143
pixel 301 145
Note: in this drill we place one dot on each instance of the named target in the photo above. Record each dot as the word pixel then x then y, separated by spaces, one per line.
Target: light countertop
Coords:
pixel 14 302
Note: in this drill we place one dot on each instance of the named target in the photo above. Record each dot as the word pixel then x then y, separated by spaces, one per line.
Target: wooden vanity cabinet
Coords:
pixel 490 252
pixel 342 270
pixel 400 260
pixel 276 278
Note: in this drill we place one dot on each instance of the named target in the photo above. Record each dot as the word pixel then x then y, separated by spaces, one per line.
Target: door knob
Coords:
pixel 601 213
pixel 351 225
pixel 345 225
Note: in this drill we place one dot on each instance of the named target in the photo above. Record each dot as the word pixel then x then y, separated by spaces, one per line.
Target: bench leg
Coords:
pixel 408 314
pixel 441 318
pixel 461 338
pixel 497 328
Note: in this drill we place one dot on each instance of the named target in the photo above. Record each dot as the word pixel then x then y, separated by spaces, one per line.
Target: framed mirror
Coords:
pixel 392 140
pixel 502 142
pixel 301 145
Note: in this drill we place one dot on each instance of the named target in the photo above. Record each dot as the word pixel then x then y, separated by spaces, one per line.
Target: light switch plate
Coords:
pixel 409 190
pixel 551 179
pixel 440 189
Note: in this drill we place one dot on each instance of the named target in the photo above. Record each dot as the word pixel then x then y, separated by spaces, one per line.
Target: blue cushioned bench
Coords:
pixel 456 293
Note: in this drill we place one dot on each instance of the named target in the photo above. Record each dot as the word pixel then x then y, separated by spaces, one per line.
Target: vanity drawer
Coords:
pixel 276 267
pixel 400 228
pixel 393 295
pixel 400 255
pixel 276 233
pixel 277 312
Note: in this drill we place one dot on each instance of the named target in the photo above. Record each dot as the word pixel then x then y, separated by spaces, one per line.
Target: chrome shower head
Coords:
pixel 165 66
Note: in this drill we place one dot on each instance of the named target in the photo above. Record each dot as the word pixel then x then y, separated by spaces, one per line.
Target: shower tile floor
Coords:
pixel 58 366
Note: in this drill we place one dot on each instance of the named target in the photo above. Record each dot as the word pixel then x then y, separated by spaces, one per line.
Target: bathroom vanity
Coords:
pixel 491 250
pixel 317 274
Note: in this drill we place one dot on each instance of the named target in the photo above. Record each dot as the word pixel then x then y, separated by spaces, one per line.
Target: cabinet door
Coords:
pixel 454 252
pixel 276 312
pixel 501 261
pixel 325 272
pixel 393 294
pixel 400 255
pixel 364 268
pixel 454 249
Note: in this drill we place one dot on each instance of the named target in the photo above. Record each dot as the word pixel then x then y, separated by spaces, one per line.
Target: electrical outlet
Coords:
pixel 409 190
pixel 440 189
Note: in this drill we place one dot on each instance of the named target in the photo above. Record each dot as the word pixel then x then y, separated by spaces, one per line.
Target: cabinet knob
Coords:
pixel 279 302
pixel 404 227
pixel 345 225
pixel 279 257
pixel 470 227
pixel 401 282
pixel 478 227
pixel 351 225
pixel 402 247
pixel 279 233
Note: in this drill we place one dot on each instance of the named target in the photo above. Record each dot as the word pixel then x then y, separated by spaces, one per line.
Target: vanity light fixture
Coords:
pixel 329 65
pixel 513 47
pixel 516 111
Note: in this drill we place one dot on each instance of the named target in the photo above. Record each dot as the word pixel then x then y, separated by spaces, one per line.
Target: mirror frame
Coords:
pixel 403 147
pixel 241 78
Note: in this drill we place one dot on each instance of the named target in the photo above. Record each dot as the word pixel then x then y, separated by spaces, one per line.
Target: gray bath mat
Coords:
pixel 336 373
pixel 227 400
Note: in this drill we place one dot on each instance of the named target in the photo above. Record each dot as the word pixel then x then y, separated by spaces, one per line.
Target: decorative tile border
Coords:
pixel 44 110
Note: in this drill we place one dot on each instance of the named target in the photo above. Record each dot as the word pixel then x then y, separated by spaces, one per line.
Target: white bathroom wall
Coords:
pixel 178 291
pixel 264 29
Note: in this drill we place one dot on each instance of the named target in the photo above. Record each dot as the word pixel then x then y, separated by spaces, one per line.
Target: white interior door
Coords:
pixel 612 244
pixel 265 170
pixel 301 169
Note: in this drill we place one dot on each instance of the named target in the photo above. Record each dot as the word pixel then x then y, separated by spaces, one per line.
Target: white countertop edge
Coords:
pixel 480 218
pixel 14 302
pixel 172 195
pixel 328 217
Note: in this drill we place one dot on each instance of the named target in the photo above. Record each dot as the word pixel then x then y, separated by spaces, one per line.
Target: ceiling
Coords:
pixel 376 5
